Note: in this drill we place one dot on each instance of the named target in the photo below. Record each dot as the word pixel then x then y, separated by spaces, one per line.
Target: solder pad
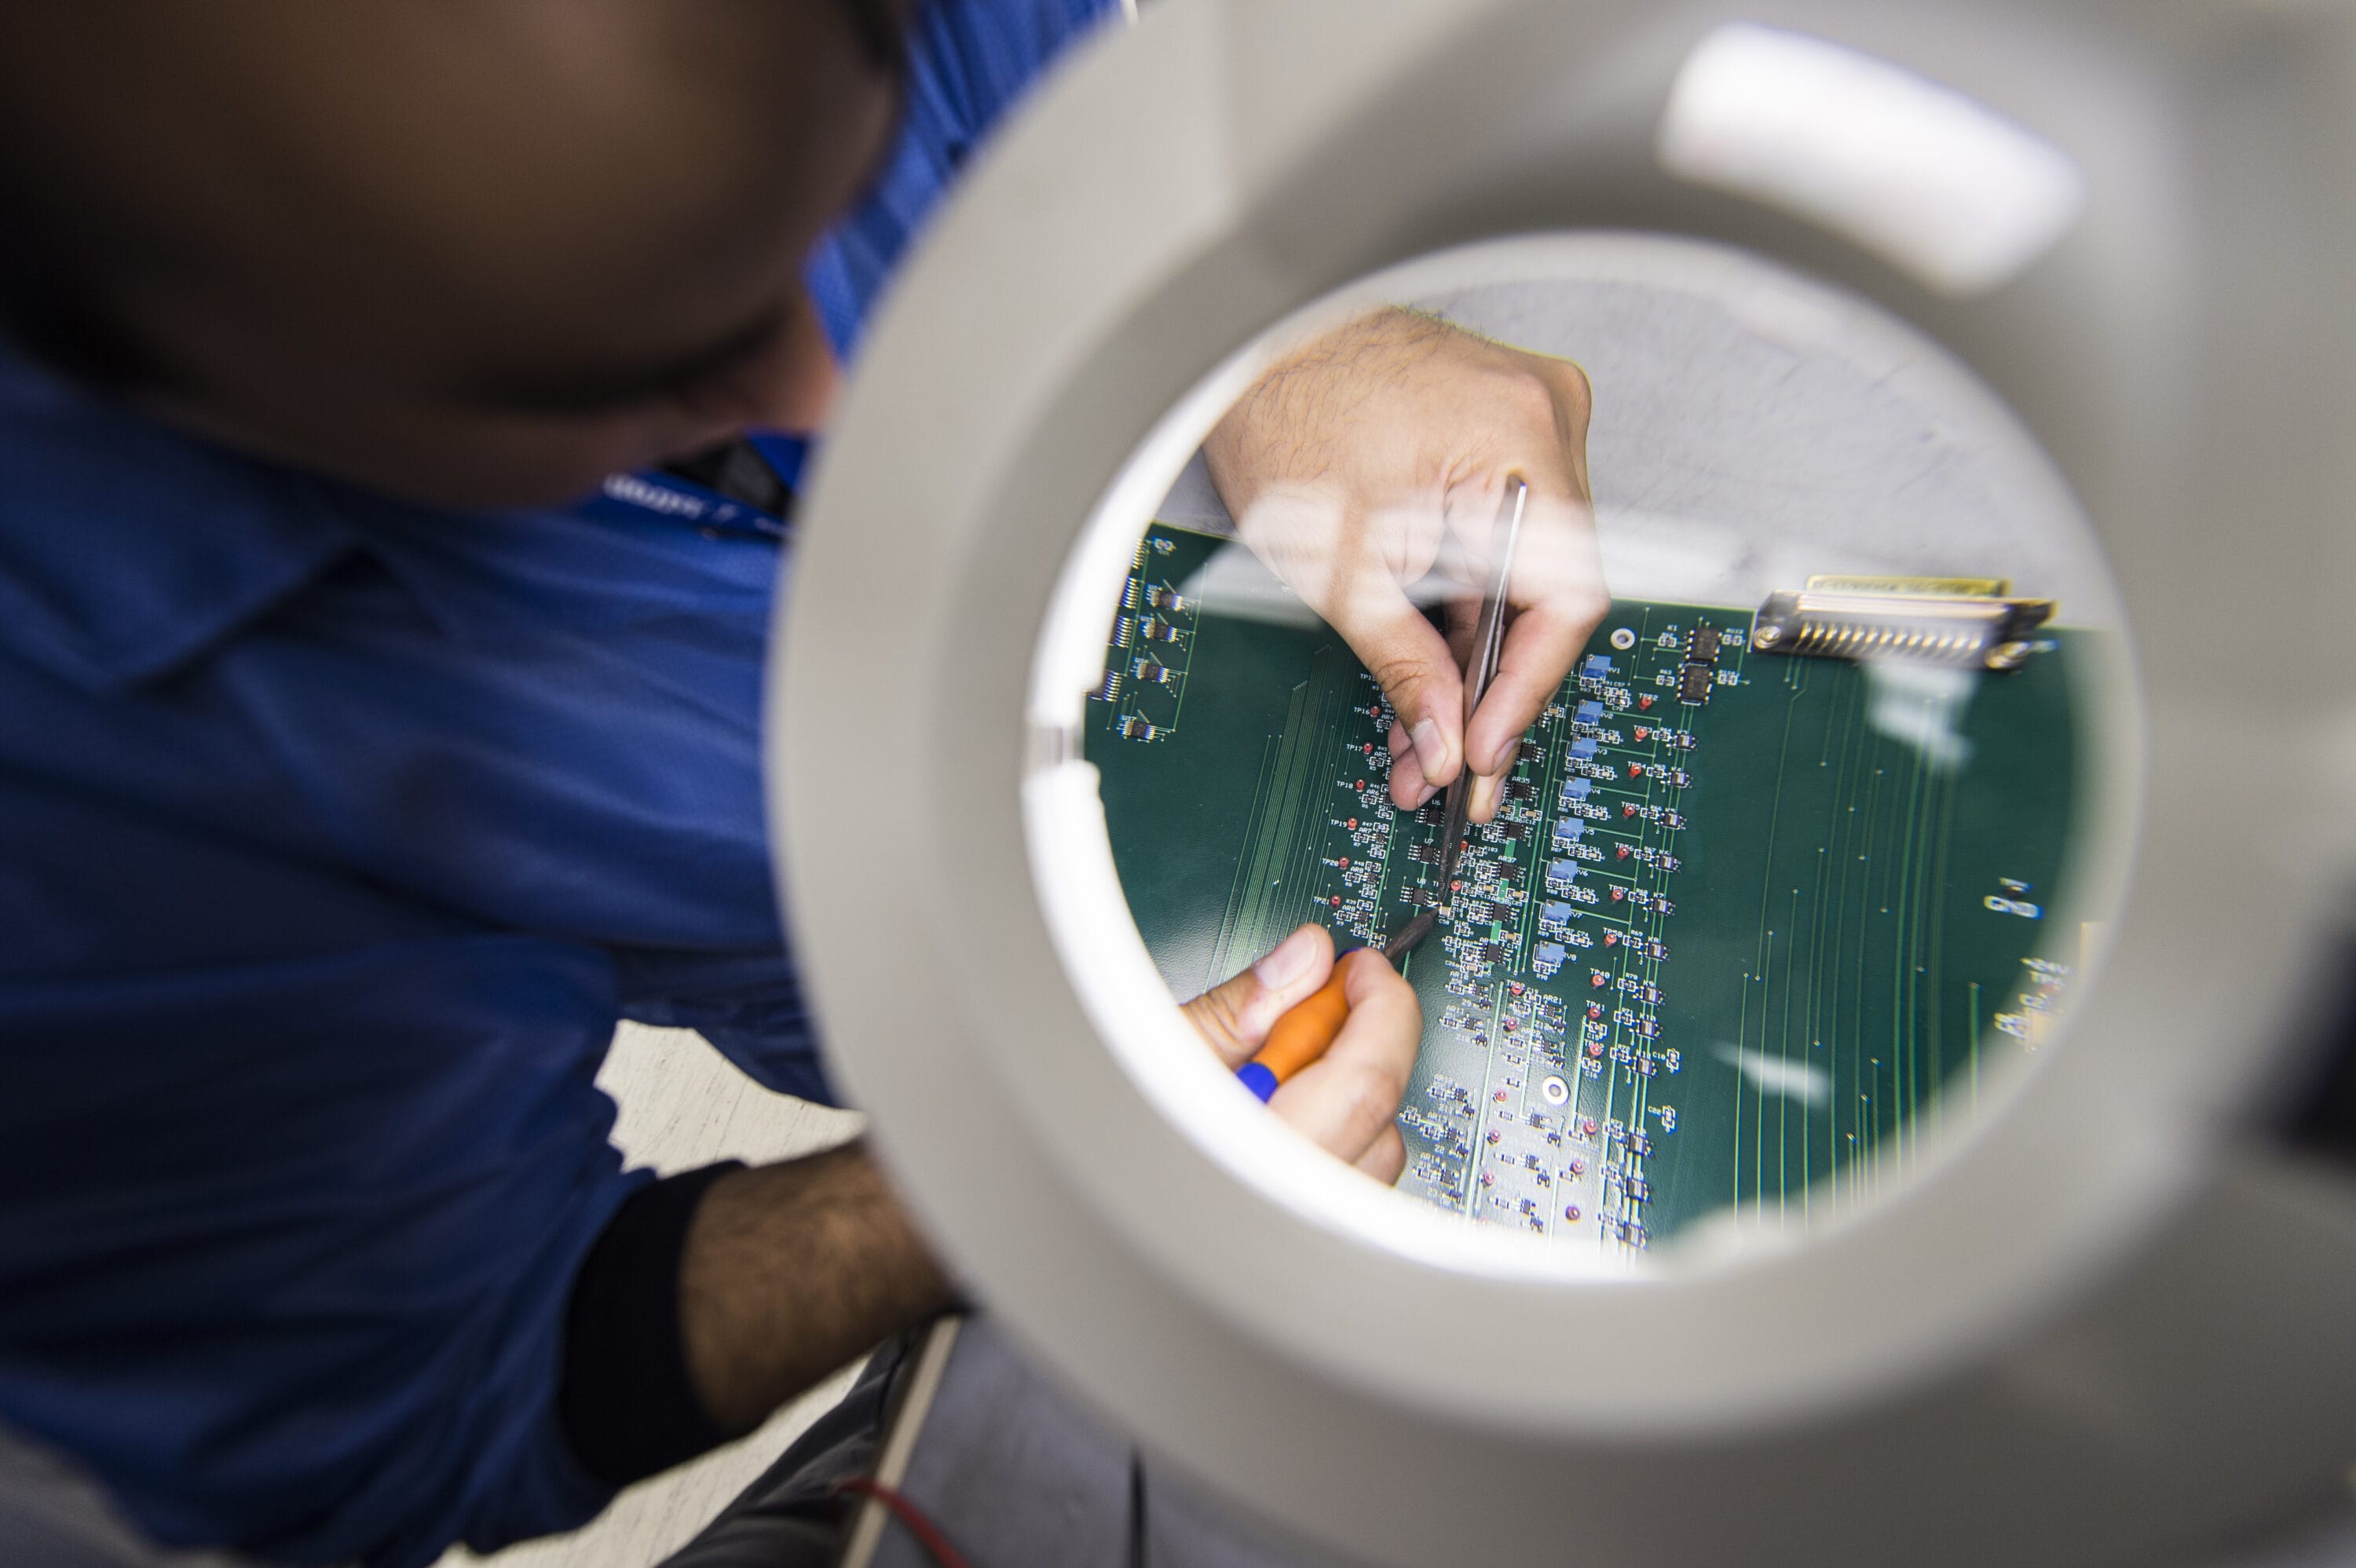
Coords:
pixel 1711 957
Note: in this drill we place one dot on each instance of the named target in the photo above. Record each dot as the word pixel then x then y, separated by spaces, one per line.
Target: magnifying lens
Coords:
pixel 1798 861
pixel 1863 1032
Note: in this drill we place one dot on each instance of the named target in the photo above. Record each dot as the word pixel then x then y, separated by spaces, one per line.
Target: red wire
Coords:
pixel 929 1534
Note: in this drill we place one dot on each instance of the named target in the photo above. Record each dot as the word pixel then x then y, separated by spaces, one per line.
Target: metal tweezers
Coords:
pixel 1481 668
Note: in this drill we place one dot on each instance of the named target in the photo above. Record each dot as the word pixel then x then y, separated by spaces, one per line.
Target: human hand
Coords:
pixel 1374 460
pixel 1345 1100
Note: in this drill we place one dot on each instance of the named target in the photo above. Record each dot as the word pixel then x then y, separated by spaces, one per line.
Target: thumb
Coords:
pixel 1409 658
pixel 1234 1016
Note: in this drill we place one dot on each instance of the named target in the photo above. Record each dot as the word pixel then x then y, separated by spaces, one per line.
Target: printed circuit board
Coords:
pixel 1742 921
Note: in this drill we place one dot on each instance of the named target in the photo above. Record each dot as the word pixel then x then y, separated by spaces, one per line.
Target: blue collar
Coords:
pixel 128 548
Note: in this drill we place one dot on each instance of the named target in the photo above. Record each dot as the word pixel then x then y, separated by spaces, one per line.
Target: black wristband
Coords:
pixel 626 1400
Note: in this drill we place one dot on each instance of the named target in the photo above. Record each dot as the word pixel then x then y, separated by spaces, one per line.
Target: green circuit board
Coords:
pixel 1733 931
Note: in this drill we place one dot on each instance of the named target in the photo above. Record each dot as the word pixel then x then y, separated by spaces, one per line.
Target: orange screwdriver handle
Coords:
pixel 1300 1037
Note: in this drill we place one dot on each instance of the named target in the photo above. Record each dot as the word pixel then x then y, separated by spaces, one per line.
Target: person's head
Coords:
pixel 465 250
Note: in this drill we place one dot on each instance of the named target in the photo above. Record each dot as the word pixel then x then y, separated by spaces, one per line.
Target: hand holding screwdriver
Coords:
pixel 1344 1099
pixel 1308 1029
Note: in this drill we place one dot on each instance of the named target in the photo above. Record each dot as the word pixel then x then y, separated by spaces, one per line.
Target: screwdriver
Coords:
pixel 1309 1026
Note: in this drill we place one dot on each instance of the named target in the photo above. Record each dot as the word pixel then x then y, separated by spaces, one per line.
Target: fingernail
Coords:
pixel 1427 746
pixel 1289 962
pixel 1429 791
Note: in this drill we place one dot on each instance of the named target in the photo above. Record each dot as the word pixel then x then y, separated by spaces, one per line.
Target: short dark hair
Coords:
pixel 881 29
pixel 54 287
pixel 48 312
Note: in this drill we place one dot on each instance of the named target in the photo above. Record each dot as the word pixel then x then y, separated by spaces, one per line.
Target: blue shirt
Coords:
pixel 335 836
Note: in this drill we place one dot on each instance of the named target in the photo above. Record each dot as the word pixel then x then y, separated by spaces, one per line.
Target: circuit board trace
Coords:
pixel 1732 940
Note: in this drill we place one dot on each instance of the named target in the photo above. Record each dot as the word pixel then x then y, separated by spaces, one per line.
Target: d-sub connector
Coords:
pixel 1976 631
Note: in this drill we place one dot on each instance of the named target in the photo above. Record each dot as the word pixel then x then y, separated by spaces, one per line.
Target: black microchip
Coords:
pixel 1529 751
pixel 1520 789
pixel 1694 683
pixel 1702 645
pixel 1494 952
